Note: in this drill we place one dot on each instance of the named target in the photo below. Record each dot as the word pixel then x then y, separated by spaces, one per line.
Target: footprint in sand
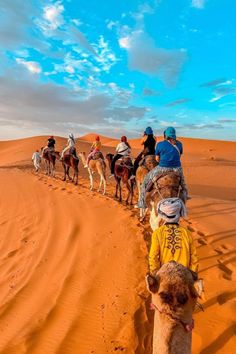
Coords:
pixel 200 233
pixel 202 242
pixel 227 272
pixel 12 253
pixel 190 228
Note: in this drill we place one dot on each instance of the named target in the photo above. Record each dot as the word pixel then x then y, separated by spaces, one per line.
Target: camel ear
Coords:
pixel 198 288
pixel 152 283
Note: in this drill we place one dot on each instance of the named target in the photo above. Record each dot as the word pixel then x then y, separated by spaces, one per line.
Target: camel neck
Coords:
pixel 83 158
pixel 170 337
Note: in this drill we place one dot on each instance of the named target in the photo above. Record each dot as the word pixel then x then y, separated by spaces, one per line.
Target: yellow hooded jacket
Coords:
pixel 172 242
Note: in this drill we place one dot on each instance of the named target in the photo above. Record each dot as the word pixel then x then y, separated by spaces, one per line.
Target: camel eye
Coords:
pixel 166 297
pixel 182 298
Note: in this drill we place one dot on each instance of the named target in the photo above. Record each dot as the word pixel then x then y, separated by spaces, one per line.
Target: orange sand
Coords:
pixel 73 262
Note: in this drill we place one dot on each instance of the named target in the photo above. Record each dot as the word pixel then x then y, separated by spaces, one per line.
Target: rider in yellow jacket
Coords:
pixel 172 242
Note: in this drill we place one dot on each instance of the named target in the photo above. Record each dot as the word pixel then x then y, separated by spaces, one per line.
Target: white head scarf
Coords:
pixel 171 209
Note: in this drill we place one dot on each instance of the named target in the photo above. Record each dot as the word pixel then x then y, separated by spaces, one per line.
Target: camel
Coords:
pixel 149 162
pixel 174 297
pixel 50 160
pixel 70 160
pixel 98 166
pixel 166 186
pixel 123 172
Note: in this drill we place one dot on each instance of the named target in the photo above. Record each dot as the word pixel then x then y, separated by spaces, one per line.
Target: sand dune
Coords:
pixel 73 262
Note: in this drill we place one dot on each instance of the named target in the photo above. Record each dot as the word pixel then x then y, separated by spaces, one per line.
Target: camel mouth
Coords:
pixel 188 326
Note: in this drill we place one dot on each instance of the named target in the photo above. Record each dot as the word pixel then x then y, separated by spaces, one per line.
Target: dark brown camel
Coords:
pixel 49 157
pixel 70 160
pixel 122 173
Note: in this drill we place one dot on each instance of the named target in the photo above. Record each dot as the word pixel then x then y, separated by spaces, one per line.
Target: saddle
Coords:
pixel 98 155
pixel 50 150
pixel 72 151
pixel 166 185
pixel 125 160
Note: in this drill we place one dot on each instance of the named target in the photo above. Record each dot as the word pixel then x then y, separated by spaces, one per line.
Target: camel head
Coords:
pixel 174 291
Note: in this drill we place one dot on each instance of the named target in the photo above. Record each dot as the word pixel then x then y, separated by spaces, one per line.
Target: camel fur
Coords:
pixel 174 297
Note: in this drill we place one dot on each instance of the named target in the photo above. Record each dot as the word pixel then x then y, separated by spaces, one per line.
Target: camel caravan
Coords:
pixel 162 192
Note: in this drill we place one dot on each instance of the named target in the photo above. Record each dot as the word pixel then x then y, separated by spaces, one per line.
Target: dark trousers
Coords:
pixel 115 158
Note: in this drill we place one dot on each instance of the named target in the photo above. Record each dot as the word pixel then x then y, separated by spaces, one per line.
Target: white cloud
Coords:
pixel 32 66
pixel 53 15
pixel 145 56
pixel 69 69
pixel 223 91
pixel 124 42
pixel 105 57
pixel 198 4
pixel 111 24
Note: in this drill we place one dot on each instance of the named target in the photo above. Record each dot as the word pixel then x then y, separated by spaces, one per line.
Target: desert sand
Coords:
pixel 73 261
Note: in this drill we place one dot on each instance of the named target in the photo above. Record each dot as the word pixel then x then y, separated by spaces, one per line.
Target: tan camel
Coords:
pixel 148 164
pixel 174 297
pixel 98 166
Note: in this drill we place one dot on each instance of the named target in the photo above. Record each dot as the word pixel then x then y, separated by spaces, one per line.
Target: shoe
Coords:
pixel 136 206
pixel 111 176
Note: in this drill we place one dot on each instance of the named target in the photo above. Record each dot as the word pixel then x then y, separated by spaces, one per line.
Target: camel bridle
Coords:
pixel 188 327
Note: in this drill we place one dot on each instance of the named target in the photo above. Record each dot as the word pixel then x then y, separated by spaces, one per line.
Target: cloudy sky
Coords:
pixel 115 67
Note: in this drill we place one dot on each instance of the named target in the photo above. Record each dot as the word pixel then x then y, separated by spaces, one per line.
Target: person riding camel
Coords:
pixel 50 145
pixel 70 144
pixel 122 149
pixel 171 241
pixel 168 153
pixel 148 141
pixel 96 147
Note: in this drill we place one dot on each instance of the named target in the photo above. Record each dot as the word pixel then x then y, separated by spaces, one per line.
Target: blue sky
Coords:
pixel 115 67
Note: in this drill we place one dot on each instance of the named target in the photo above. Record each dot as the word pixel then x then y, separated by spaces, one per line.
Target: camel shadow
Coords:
pixel 220 341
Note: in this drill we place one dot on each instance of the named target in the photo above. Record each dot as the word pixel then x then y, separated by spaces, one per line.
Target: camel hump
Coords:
pixel 168 179
pixel 173 270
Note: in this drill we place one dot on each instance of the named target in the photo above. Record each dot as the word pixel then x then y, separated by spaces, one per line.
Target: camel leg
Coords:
pixel 64 167
pixel 128 188
pixel 76 177
pixel 91 179
pixel 120 199
pixel 46 168
pixel 100 183
pixel 132 191
pixel 68 173
pixel 116 193
pixel 104 185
